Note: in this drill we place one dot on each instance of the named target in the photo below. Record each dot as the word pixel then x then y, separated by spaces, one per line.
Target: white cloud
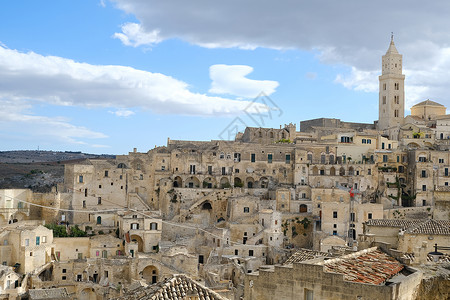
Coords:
pixel 15 116
pixel 133 35
pixel 352 33
pixel 232 80
pixel 61 81
pixel 123 113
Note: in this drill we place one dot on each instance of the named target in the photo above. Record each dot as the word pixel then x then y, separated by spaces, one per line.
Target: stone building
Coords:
pixel 367 274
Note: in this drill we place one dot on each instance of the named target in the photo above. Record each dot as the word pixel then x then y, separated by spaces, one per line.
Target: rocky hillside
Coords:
pixel 37 170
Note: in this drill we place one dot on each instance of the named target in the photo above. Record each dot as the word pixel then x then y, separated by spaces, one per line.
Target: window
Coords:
pixel 334 225
pixel 85 192
pixel 224 172
pixel 396 86
pixel 384 86
pixel 99 200
pixel 134 226
pixel 192 169
pixel 352 217
pixel 27 242
pixel 106 173
pixel 79 277
pixel 424 187
pixel 250 252
pixel 104 254
pixel 446 172
pixel 38 241
pixel 80 179
pixel 236 252
pixel 334 214
pixel 246 209
pixel 424 202
pixel 385 158
pixel 210 170
pixel 309 157
pixel 364 141
pixel 384 99
pixel 369 172
pixel 44 239
pixel 222 155
pixel 441 160
pixel 369 141
pixel 345 139
pixel 288 158
pixel 80 255
pixel 97 253
pixel 64 278
pixel 422 159
pixel 253 157
pixel 424 174
pixel 369 216
pixel 269 158
pixel 382 145
pixel 99 186
pixel 334 232
pixel 153 226
pixel 99 220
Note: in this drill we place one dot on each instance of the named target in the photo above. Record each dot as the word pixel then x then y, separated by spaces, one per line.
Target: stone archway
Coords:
pixel 150 274
pixel 193 182
pixel 250 182
pixel 137 239
pixel 238 182
pixel 177 182
pixel 224 182
pixel 332 171
pixel 206 205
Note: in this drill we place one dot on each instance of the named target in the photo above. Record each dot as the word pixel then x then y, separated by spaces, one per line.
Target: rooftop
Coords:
pixel 412 226
pixel 305 254
pixel 177 287
pixel 370 266
pixel 428 102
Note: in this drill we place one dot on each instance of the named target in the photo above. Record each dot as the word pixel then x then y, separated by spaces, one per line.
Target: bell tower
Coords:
pixel 392 90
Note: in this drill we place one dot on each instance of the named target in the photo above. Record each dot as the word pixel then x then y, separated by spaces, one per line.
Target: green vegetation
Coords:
pixel 287 141
pixel 60 231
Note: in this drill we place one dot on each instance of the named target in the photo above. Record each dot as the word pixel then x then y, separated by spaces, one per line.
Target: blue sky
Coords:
pixel 108 76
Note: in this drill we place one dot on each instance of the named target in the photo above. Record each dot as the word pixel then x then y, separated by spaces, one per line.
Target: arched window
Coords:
pixel 99 220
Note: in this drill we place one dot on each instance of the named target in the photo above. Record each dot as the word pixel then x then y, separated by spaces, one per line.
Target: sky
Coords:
pixel 102 76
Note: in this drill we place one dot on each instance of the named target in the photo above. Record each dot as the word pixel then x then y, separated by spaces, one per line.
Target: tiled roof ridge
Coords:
pixel 430 226
pixel 401 223
pixel 179 285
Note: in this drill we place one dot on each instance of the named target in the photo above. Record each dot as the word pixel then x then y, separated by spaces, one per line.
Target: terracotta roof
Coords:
pixel 428 102
pixel 428 226
pixel 305 254
pixel 177 287
pixel 370 266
